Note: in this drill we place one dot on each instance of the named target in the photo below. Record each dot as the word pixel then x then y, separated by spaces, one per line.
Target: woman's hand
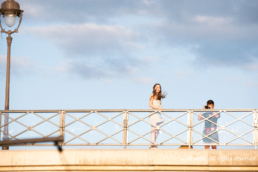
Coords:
pixel 161 108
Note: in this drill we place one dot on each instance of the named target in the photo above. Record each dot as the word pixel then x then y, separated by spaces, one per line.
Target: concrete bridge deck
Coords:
pixel 129 160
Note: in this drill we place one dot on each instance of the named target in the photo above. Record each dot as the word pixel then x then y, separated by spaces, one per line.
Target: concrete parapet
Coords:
pixel 129 160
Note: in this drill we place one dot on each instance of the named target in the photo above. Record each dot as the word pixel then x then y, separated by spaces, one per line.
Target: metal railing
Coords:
pixel 235 127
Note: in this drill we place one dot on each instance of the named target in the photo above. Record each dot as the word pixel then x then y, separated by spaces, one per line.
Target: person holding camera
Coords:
pixel 210 127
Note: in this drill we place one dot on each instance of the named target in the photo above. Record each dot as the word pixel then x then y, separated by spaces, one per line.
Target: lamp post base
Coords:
pixel 5 147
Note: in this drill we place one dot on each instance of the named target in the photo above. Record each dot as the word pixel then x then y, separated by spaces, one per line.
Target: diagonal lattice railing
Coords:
pixel 24 128
pixel 130 127
pixel 236 136
pixel 170 136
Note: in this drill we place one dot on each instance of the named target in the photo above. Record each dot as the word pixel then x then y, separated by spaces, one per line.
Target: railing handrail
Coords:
pixel 131 110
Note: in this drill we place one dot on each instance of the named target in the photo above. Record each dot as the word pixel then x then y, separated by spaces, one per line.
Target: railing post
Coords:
pixel 6 130
pixel 255 118
pixel 61 125
pixel 0 124
pixel 189 126
pixel 125 122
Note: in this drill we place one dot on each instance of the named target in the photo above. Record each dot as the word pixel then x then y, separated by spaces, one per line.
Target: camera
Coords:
pixel 207 107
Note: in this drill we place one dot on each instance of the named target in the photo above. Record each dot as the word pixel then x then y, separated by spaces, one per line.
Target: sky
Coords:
pixel 89 54
pixel 109 54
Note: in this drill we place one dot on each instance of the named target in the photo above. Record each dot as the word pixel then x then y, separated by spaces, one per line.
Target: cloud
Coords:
pixel 78 11
pixel 183 11
pixel 81 11
pixel 251 84
pixel 220 33
pixel 223 54
pixel 212 21
pixel 214 40
pixel 19 66
pixel 96 51
pixel 243 80
pixel 128 69
pixel 87 39
pixel 252 67
pixel 100 70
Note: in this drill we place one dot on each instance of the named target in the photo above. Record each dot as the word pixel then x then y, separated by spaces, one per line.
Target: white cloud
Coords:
pixel 251 84
pixel 244 80
pixel 80 10
pixel 212 26
pixel 96 51
pixel 106 70
pixel 88 38
pixel 212 21
pixel 214 30
pixel 22 65
pixel 16 62
pixel 252 67
pixel 148 2
pixel 33 10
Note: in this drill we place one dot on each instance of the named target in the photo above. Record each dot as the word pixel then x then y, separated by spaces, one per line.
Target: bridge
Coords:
pixel 118 140
pixel 129 160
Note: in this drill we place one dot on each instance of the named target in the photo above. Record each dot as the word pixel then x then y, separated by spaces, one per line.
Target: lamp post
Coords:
pixel 10 10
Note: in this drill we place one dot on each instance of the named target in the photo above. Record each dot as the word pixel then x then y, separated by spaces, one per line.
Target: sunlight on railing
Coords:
pixel 132 128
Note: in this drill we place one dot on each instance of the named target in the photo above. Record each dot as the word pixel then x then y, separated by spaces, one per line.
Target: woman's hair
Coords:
pixel 158 95
pixel 210 102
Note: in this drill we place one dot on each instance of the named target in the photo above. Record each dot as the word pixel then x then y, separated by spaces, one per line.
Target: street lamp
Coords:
pixel 10 10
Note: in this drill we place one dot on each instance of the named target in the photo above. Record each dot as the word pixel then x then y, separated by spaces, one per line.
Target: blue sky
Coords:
pixel 89 54
pixel 108 54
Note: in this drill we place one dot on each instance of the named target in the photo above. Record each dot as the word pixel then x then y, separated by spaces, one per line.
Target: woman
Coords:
pixel 155 119
pixel 210 127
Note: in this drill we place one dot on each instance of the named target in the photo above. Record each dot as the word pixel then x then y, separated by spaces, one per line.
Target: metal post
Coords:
pixel 189 125
pixel 125 119
pixel 255 117
pixel 7 89
pixel 61 126
pixel 0 124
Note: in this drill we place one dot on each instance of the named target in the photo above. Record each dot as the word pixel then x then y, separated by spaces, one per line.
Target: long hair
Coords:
pixel 158 95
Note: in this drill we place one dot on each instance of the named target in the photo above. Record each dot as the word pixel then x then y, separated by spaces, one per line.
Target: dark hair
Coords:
pixel 158 95
pixel 210 102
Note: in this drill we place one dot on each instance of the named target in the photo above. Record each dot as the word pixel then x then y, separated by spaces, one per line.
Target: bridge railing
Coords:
pixel 232 127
